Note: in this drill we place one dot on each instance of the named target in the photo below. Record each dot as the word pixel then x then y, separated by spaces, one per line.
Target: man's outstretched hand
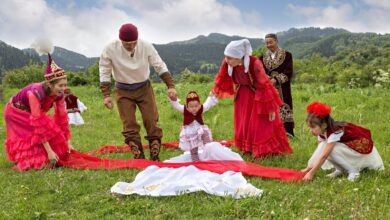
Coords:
pixel 172 94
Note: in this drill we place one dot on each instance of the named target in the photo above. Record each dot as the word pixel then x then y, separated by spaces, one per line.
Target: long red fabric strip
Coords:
pixel 123 149
pixel 81 160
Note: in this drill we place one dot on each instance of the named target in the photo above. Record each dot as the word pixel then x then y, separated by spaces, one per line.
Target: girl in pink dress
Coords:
pixel 194 134
pixel 257 125
pixel 35 139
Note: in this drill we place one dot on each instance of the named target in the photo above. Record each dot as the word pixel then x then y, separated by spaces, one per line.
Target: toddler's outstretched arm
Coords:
pixel 211 101
pixel 81 106
pixel 176 104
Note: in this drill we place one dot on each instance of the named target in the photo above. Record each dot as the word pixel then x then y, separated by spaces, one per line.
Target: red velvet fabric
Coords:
pixel 128 32
pixel 71 101
pixel 357 138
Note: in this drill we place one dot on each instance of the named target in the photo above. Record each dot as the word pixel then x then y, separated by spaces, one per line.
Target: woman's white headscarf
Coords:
pixel 239 49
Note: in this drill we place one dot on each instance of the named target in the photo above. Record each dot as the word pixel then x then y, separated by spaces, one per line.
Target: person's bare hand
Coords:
pixel 308 177
pixel 172 94
pixel 272 116
pixel 306 170
pixel 108 102
pixel 70 148
pixel 212 93
pixel 53 158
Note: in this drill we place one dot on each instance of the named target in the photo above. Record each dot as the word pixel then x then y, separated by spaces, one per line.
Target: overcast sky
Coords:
pixel 85 26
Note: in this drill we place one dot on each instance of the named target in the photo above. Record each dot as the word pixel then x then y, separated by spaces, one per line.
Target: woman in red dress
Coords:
pixel 34 139
pixel 257 125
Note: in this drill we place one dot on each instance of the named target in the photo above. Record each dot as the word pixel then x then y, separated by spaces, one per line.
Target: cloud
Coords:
pixel 344 15
pixel 171 20
pixel 88 29
pixel 188 18
pixel 87 26
pixel 384 4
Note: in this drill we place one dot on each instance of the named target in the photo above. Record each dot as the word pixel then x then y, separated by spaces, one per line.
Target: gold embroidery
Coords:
pixel 246 191
pixel 281 77
pixel 286 113
pixel 128 190
pixel 152 187
pixel 277 86
pixel 57 72
pixel 20 106
pixel 56 75
pixel 270 63
pixel 362 145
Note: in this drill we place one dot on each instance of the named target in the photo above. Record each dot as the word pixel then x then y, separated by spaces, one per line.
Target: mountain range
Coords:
pixel 204 53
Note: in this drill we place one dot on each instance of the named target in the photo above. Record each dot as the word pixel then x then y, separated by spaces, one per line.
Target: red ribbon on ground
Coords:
pixel 84 161
pixel 123 149
pixel 81 160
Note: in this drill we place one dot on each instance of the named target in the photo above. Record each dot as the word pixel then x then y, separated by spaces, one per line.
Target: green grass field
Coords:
pixel 66 193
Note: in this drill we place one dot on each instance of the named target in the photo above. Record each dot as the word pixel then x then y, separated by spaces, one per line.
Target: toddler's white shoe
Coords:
pixel 353 176
pixel 335 174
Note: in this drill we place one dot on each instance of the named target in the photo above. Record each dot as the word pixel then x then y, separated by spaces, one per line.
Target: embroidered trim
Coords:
pixel 286 113
pixel 278 87
pixel 270 63
pixel 105 88
pixel 280 77
pixel 20 106
pixel 362 145
pixel 53 76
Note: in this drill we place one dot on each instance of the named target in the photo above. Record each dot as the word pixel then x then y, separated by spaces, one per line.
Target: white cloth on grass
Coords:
pixel 155 181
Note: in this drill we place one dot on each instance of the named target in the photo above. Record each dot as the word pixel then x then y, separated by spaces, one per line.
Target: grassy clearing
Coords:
pixel 65 193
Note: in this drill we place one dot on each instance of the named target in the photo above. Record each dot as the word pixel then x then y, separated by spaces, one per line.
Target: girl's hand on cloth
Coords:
pixel 308 177
pixel 307 169
pixel 53 158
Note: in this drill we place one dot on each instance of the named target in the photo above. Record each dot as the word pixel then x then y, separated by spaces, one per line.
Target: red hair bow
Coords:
pixel 319 109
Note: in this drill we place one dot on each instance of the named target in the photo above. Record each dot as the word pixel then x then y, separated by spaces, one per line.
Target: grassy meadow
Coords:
pixel 66 193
